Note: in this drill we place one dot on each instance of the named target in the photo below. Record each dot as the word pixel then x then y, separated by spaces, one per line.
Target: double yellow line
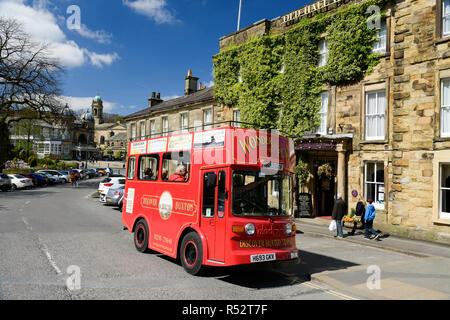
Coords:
pixel 320 288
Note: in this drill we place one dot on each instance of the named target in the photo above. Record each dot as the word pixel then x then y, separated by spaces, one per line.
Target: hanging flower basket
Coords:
pixel 325 170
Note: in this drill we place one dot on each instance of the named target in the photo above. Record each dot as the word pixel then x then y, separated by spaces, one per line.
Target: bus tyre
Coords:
pixel 192 253
pixel 141 236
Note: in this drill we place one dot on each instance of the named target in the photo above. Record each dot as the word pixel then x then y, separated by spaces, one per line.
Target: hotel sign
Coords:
pixel 311 9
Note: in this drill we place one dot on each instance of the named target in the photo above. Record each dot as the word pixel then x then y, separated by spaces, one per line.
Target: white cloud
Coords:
pixel 99 60
pixel 100 36
pixel 42 26
pixel 85 103
pixel 154 9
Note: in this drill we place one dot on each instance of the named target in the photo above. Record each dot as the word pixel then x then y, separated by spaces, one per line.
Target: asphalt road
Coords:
pixel 48 235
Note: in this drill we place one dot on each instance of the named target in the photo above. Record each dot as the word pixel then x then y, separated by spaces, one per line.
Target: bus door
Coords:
pixel 214 206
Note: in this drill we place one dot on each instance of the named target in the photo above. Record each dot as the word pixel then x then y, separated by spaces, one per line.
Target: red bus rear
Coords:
pixel 218 197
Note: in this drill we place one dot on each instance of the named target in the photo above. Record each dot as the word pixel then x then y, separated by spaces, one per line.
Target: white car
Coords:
pixel 107 183
pixel 20 182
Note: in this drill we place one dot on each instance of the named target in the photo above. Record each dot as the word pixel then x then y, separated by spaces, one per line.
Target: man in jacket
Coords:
pixel 339 211
pixel 369 217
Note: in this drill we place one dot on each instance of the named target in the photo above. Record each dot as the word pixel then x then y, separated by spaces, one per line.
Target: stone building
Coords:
pixel 386 137
pixel 196 110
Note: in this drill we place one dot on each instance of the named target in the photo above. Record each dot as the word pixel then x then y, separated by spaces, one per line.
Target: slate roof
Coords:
pixel 196 97
pixel 118 137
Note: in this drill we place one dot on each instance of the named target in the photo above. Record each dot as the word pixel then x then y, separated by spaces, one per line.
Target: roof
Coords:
pixel 118 137
pixel 109 125
pixel 196 97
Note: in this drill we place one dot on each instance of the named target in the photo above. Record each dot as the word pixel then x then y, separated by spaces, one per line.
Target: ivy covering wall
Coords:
pixel 248 76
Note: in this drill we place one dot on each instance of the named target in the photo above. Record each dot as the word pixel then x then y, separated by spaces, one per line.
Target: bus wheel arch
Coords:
pixel 141 236
pixel 191 251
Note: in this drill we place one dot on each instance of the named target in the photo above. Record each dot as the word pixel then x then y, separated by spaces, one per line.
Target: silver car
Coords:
pixel 114 195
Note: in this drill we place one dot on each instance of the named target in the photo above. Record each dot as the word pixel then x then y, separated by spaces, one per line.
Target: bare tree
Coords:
pixel 29 81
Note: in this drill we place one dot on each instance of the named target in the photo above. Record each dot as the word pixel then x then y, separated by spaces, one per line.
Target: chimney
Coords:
pixel 154 100
pixel 191 84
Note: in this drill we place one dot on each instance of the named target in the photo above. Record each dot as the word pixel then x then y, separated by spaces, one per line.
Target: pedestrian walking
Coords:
pixel 360 211
pixel 339 211
pixel 369 217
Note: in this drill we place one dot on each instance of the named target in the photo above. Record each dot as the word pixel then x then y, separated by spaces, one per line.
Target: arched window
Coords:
pixel 95 112
pixel 102 140
pixel 111 134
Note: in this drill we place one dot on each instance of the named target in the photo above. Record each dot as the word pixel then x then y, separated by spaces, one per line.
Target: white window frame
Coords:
pixel 323 113
pixel 380 45
pixel 152 128
pixel 323 52
pixel 445 16
pixel 443 108
pixel 366 183
pixel 184 122
pixel 237 118
pixel 207 124
pixel 133 131
pixel 442 215
pixel 380 117
pixel 165 125
pixel 143 128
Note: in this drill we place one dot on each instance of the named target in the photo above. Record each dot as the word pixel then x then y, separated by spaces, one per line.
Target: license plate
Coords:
pixel 263 257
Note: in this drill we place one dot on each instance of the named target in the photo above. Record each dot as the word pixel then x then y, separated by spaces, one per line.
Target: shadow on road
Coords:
pixel 262 277
pixel 311 263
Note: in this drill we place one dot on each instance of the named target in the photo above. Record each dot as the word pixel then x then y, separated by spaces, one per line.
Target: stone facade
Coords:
pixel 410 156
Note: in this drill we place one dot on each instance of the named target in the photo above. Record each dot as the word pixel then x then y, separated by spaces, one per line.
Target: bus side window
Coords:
pixel 176 166
pixel 148 167
pixel 209 194
pixel 221 194
pixel 131 168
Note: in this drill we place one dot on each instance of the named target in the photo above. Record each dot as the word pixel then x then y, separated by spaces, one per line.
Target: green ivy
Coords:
pixel 290 101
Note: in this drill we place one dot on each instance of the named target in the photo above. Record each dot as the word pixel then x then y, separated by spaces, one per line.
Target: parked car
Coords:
pixel 91 173
pixel 107 183
pixel 5 182
pixel 48 178
pixel 114 195
pixel 37 179
pixel 19 181
pixel 61 177
pixel 65 174
pixel 51 175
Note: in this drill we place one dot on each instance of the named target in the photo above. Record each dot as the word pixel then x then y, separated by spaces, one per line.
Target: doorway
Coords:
pixel 325 191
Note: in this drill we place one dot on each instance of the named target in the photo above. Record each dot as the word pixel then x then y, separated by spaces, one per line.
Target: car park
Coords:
pixel 107 183
pixel 5 182
pixel 19 181
pixel 114 195
pixel 61 178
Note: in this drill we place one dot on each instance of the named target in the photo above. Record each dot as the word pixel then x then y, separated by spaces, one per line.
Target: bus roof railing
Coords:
pixel 222 124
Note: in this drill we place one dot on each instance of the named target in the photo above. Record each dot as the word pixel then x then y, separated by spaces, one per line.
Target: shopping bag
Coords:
pixel 332 226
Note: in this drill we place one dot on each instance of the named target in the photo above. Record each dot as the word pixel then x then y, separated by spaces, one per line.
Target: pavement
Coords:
pixel 417 248
pixel 391 269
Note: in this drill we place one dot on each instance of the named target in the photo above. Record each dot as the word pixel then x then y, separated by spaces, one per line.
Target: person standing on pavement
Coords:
pixel 369 217
pixel 359 214
pixel 339 211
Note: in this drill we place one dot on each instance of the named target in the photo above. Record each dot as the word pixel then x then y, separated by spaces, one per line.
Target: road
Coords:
pixel 47 233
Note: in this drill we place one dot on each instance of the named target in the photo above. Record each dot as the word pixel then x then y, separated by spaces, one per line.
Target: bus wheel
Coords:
pixel 141 236
pixel 192 253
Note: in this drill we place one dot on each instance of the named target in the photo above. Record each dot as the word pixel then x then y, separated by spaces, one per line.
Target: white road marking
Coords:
pixel 44 249
pixel 27 224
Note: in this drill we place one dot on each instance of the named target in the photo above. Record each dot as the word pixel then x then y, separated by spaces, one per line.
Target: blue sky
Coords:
pixel 126 49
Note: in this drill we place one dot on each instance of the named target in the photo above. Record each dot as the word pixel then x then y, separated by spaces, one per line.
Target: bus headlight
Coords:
pixel 250 229
pixel 288 228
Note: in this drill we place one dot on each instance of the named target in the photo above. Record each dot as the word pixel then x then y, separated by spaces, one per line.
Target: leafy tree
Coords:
pixel 29 81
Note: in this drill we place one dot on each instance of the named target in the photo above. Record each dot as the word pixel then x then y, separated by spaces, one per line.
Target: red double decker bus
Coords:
pixel 218 197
